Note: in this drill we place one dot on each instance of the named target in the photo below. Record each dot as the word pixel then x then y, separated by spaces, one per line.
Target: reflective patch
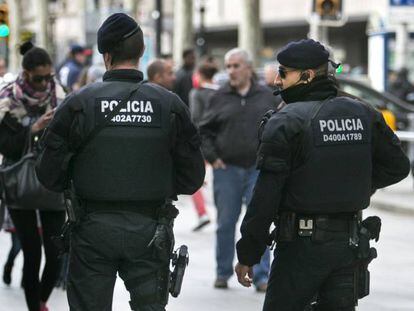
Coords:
pixel 341 130
pixel 142 113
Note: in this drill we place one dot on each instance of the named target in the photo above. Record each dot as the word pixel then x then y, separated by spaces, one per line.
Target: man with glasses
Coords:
pixel 229 130
pixel 320 159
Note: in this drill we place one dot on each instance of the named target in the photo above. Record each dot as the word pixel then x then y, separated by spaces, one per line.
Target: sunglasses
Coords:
pixel 39 79
pixel 283 72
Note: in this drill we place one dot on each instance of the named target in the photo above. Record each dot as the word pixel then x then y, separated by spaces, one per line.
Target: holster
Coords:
pixel 75 213
pixel 179 262
pixel 369 229
pixel 163 240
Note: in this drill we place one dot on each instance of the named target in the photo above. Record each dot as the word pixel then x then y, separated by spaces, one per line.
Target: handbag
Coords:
pixel 21 189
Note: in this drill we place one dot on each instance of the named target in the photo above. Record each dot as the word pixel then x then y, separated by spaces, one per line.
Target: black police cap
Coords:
pixel 116 28
pixel 303 54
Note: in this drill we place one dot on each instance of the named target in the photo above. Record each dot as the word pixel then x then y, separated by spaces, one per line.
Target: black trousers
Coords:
pixel 14 250
pixel 31 242
pixel 107 243
pixel 304 269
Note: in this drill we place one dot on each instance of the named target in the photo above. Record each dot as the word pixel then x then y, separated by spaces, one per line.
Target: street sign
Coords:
pixel 401 2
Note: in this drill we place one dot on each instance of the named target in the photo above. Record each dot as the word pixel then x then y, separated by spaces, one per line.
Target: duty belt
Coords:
pixel 317 227
pixel 146 208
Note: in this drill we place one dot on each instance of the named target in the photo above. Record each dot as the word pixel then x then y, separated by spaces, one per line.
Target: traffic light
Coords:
pixel 328 9
pixel 4 21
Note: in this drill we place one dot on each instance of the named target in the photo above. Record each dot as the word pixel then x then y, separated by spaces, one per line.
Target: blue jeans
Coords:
pixel 233 186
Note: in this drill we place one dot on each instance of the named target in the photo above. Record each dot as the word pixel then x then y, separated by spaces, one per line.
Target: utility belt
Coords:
pixel 162 243
pixel 319 228
pixel 147 208
pixel 323 228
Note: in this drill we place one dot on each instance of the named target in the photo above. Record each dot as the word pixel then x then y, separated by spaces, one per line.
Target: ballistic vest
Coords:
pixel 334 168
pixel 130 159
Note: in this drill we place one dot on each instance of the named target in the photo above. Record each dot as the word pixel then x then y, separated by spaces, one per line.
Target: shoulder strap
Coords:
pixel 109 116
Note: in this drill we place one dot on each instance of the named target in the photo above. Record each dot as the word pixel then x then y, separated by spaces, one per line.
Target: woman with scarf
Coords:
pixel 26 108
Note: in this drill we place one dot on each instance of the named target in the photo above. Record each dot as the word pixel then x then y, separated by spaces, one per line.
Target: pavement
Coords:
pixel 398 197
pixel 392 273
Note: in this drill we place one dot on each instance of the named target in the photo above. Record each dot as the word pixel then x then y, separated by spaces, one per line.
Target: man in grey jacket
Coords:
pixel 229 131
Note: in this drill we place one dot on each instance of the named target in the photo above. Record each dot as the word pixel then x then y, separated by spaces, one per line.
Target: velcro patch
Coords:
pixel 142 113
pixel 340 131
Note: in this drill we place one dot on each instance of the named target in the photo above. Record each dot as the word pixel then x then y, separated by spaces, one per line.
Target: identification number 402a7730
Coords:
pixel 132 118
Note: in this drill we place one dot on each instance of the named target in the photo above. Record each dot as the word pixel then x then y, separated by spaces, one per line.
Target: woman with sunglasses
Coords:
pixel 26 108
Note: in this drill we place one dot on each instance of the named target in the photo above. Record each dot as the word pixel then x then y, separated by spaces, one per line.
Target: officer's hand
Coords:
pixel 244 274
pixel 219 164
pixel 42 122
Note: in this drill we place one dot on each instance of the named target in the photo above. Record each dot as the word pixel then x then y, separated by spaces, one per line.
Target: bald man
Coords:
pixel 161 72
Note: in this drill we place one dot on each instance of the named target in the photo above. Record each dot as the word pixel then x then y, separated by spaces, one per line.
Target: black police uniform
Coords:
pixel 147 153
pixel 320 159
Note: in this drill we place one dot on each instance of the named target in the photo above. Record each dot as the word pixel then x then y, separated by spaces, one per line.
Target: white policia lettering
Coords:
pixel 132 106
pixel 341 125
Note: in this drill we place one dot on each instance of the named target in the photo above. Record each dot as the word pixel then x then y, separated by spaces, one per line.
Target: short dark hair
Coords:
pixel 156 67
pixel 208 68
pixel 130 49
pixel 187 52
pixel 33 56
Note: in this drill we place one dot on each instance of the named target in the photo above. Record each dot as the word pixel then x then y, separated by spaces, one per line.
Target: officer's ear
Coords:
pixel 307 76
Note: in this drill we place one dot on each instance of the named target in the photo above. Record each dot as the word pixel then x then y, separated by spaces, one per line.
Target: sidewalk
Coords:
pixel 396 198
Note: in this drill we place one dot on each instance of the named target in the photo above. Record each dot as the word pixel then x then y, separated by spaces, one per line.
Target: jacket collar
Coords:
pixel 126 75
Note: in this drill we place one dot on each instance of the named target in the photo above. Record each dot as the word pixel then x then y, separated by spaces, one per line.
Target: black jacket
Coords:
pixel 184 83
pixel 230 124
pixel 282 154
pixel 67 131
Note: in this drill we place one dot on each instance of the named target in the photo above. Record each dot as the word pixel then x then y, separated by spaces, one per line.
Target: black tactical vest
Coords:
pixel 334 171
pixel 130 159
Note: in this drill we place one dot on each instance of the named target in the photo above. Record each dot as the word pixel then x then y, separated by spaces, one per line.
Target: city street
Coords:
pixel 392 273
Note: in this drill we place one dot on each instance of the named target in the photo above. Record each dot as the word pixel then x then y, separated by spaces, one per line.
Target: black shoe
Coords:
pixel 7 274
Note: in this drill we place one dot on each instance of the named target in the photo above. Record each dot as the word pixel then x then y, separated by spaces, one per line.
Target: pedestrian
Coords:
pixel 320 159
pixel 198 101
pixel 230 141
pixel 70 71
pixel 14 250
pixel 184 80
pixel 162 73
pixel 122 163
pixel 26 108
pixel 199 97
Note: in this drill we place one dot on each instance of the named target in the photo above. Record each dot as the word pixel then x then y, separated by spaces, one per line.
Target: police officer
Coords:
pixel 145 153
pixel 320 159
